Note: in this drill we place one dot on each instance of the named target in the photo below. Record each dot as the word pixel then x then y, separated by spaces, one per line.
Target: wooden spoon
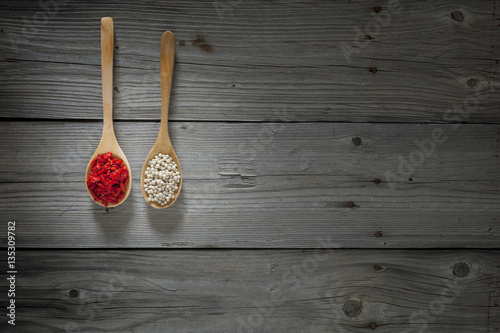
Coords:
pixel 163 144
pixel 108 140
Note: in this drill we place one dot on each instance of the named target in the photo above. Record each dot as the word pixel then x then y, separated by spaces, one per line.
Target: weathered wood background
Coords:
pixel 340 163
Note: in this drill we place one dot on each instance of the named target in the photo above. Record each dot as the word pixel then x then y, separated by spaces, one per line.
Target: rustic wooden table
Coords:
pixel 340 165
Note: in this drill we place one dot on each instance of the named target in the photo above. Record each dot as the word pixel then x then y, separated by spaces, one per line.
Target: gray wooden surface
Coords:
pixel 341 154
pixel 260 185
pixel 239 60
pixel 259 291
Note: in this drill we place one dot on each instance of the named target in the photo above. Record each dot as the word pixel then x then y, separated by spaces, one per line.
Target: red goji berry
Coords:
pixel 108 179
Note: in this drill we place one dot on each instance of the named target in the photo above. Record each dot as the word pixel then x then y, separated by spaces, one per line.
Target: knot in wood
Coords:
pixel 73 293
pixel 457 16
pixel 471 82
pixel 461 269
pixel 352 308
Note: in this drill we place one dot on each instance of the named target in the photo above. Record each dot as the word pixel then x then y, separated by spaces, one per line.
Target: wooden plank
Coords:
pixel 207 214
pixel 303 182
pixel 59 151
pixel 255 60
pixel 257 291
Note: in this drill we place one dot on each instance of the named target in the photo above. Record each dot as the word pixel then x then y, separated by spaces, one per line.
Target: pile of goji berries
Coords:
pixel 108 179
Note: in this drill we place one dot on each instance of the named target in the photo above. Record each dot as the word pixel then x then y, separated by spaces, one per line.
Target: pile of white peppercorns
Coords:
pixel 162 179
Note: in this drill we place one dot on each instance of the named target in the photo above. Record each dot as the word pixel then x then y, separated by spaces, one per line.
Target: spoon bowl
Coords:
pixel 108 140
pixel 163 144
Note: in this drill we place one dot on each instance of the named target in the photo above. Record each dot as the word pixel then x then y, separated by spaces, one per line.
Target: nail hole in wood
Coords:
pixel 352 308
pixel 73 293
pixel 461 269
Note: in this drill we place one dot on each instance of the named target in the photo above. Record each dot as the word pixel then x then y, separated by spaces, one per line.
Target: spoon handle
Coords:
pixel 107 46
pixel 166 70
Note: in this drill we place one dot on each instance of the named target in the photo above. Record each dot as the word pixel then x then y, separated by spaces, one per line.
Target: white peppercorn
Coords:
pixel 162 179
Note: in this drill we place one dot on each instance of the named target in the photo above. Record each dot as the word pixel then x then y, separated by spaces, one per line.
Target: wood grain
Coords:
pixel 208 214
pixel 53 151
pixel 301 126
pixel 256 291
pixel 307 181
pixel 245 61
pixel 163 145
pixel 108 141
